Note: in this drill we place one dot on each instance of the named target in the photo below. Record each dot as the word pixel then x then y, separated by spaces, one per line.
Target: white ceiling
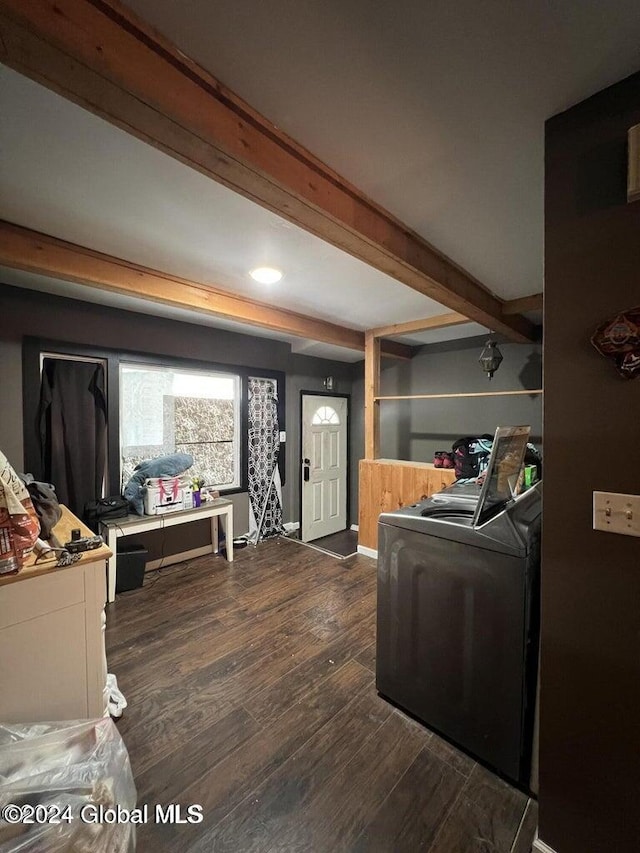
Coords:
pixel 66 172
pixel 436 110
pixel 71 290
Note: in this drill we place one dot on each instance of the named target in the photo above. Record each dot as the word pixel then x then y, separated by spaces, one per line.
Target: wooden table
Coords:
pixel 52 655
pixel 111 530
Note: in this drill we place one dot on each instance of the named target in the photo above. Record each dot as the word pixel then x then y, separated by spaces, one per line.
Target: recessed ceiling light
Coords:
pixel 266 275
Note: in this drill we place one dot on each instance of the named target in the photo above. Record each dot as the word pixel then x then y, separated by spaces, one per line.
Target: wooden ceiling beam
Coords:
pixel 523 304
pixel 396 349
pixel 443 321
pixel 101 56
pixel 28 250
pixel 440 321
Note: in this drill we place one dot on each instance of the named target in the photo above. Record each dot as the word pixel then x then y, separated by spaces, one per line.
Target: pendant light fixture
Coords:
pixel 490 358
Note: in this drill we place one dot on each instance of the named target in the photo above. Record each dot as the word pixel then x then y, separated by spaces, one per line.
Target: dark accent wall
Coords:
pixel 415 429
pixel 30 313
pixel 590 667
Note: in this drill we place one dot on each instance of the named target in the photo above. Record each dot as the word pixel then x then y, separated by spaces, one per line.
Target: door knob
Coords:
pixel 305 469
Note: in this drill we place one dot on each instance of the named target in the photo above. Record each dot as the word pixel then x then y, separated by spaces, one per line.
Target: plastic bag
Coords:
pixel 68 770
pixel 19 525
pixel 117 702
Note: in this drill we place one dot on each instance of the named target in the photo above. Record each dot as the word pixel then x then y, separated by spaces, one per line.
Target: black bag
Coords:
pixel 471 455
pixel 105 509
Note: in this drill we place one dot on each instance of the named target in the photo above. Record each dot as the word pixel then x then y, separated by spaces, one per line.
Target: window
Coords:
pixel 325 415
pixel 172 410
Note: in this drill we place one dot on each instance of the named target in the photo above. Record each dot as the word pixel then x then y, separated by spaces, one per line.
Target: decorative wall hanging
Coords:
pixel 619 339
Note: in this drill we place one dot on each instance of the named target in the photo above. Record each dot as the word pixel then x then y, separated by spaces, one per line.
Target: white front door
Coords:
pixel 324 466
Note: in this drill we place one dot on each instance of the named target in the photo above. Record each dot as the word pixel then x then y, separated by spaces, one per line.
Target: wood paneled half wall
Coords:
pixel 388 484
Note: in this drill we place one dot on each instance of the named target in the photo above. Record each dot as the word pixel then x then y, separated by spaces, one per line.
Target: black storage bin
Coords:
pixel 131 561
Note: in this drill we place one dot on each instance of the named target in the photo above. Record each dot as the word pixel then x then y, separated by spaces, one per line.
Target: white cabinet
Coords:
pixel 52 654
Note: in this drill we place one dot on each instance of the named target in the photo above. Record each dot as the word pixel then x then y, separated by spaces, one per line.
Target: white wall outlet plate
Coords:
pixel 616 513
pixel 283 437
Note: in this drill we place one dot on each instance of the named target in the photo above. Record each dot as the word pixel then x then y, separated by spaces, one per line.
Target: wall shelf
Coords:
pixel 529 391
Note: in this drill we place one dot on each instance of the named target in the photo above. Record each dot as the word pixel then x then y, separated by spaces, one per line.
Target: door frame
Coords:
pixel 347 397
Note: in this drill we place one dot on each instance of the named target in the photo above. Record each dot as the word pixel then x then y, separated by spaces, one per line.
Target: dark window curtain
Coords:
pixel 73 429
pixel 265 492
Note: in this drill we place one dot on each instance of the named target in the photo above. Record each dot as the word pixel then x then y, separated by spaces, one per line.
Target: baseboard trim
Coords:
pixel 355 527
pixel 540 847
pixel 367 552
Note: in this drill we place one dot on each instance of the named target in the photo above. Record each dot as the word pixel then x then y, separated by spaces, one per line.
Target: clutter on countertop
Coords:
pixel 19 525
pixel 45 502
pixel 47 556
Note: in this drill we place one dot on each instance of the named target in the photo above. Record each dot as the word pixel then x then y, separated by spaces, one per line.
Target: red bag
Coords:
pixel 19 525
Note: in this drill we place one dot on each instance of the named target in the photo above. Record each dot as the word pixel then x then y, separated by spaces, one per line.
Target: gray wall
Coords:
pixel 415 429
pixel 11 385
pixel 409 430
pixel 27 312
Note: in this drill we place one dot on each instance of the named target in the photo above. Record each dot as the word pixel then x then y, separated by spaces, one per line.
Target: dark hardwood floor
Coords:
pixel 342 544
pixel 251 692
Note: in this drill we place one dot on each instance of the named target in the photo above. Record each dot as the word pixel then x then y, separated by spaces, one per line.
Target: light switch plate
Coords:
pixel 283 437
pixel 616 513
